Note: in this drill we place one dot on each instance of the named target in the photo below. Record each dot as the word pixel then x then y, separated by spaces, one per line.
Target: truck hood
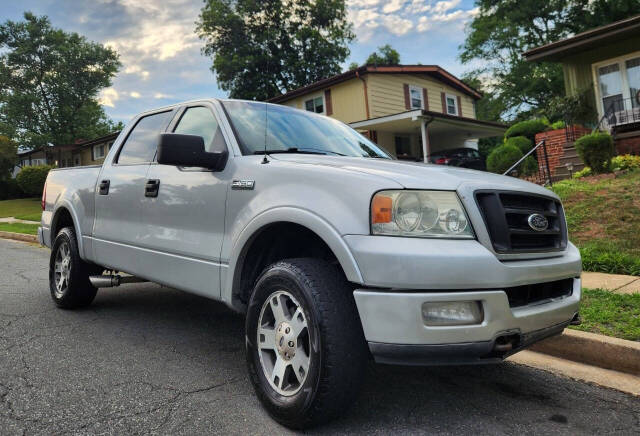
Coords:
pixel 415 175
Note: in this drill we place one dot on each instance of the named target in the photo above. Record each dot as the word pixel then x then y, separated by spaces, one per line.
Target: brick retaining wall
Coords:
pixel 556 140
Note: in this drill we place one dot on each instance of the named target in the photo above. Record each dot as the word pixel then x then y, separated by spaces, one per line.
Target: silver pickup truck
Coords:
pixel 335 252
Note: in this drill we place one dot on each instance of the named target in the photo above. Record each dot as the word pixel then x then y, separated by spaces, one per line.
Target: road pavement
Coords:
pixel 149 359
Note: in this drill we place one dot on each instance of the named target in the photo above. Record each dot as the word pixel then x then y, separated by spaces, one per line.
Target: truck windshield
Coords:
pixel 291 130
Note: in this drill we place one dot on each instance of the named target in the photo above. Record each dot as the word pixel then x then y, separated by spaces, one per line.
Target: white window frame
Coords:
pixel 313 98
pixel 419 90
pixel 95 155
pixel 455 104
pixel 621 61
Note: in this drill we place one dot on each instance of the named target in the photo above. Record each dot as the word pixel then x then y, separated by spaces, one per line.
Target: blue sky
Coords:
pixel 160 54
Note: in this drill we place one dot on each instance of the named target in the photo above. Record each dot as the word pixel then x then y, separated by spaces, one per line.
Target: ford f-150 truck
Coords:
pixel 334 251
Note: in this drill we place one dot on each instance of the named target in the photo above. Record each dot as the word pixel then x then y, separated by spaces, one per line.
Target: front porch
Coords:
pixel 416 135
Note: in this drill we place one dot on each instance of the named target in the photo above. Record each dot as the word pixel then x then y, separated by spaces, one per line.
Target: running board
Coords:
pixel 110 281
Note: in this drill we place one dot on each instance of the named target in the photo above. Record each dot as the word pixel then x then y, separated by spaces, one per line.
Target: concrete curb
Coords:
pixel 18 236
pixel 591 349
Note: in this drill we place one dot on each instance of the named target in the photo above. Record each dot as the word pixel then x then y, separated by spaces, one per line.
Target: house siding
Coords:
pixel 347 101
pixel 577 68
pixel 386 94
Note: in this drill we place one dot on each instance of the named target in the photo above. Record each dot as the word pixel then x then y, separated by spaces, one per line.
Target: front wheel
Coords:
pixel 306 352
pixel 69 274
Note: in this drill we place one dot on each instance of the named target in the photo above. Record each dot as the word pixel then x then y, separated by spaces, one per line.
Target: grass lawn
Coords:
pixel 23 208
pixel 604 221
pixel 29 229
pixel 610 314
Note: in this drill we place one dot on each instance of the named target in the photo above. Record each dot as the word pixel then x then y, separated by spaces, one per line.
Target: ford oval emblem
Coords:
pixel 538 222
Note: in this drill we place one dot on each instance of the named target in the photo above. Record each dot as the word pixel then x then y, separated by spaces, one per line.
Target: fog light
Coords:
pixel 452 313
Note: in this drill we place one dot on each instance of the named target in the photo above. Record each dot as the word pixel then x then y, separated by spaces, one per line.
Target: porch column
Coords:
pixel 426 150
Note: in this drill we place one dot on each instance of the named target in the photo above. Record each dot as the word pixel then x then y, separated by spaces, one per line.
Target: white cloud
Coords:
pixel 108 97
pixel 444 6
pixel 423 24
pixel 362 3
pixel 397 25
pixel 134 94
pixel 392 6
pixel 159 95
pixel 418 7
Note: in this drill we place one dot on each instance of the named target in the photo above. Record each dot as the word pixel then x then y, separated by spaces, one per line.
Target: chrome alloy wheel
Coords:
pixel 62 269
pixel 283 343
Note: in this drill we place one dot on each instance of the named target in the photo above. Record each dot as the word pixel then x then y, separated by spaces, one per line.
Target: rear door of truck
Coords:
pixel 120 192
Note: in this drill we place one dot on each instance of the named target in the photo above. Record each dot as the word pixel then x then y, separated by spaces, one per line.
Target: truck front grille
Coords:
pixel 506 216
pixel 529 294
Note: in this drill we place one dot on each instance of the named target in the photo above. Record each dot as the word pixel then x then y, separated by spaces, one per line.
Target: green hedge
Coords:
pixel 527 128
pixel 502 157
pixel 522 142
pixel 596 151
pixel 10 190
pixel 31 179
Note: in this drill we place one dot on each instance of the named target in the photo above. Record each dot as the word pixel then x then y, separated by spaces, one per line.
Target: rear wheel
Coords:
pixel 306 352
pixel 69 274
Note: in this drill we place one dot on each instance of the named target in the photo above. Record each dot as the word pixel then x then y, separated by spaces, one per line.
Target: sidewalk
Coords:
pixel 618 283
pixel 12 220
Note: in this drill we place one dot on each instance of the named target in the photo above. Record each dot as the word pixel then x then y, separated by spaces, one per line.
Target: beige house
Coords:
pixel 81 153
pixel 413 111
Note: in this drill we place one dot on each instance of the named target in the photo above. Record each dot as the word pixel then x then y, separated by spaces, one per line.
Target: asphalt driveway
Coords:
pixel 149 359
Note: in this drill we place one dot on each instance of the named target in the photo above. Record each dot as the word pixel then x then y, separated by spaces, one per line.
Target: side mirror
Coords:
pixel 188 151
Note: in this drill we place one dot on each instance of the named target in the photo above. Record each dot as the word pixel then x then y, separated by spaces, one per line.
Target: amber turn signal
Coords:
pixel 381 209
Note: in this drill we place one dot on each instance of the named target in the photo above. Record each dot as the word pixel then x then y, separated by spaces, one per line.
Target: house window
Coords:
pixel 618 85
pixel 415 95
pixel 77 161
pixel 315 105
pixel 452 104
pixel 403 145
pixel 98 151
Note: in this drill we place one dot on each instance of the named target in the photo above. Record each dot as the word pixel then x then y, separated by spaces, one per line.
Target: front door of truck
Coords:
pixel 118 229
pixel 184 224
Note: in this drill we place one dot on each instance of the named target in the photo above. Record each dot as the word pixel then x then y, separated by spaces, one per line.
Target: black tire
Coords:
pixel 337 354
pixel 78 291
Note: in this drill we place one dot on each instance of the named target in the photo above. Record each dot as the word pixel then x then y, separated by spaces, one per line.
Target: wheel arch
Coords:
pixel 65 216
pixel 271 222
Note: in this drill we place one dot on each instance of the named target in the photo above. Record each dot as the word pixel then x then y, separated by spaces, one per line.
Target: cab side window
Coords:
pixel 200 121
pixel 140 146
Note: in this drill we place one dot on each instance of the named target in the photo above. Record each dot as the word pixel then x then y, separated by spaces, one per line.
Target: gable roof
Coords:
pixel 585 40
pixel 433 70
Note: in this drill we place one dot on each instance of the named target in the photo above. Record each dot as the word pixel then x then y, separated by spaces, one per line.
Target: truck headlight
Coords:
pixel 422 214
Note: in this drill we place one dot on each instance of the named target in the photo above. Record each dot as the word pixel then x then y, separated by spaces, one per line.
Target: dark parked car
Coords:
pixel 460 157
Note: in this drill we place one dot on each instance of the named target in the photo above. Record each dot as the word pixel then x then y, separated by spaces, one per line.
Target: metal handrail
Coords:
pixel 523 158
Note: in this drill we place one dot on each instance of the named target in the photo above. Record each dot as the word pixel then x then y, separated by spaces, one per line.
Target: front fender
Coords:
pixel 299 216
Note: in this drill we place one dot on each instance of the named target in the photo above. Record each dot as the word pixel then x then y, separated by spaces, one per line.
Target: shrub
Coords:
pixel 586 171
pixel 31 179
pixel 527 128
pixel 625 162
pixel 596 150
pixel 502 157
pixel 9 190
pixel 558 125
pixel 529 166
pixel 522 142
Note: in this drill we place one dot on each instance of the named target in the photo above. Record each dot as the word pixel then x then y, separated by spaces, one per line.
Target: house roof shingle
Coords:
pixel 433 70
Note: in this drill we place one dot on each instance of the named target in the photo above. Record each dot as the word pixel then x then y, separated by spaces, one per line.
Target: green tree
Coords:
pixel 386 55
pixel 488 108
pixel 8 157
pixel 49 80
pixel 261 49
pixel 503 29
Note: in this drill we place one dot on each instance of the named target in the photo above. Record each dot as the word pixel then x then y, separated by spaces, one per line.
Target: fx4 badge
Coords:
pixel 243 184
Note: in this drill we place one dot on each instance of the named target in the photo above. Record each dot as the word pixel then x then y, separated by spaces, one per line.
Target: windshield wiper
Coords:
pixel 299 151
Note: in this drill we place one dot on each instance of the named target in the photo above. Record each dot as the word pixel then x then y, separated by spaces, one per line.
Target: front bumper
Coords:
pixel 394 328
